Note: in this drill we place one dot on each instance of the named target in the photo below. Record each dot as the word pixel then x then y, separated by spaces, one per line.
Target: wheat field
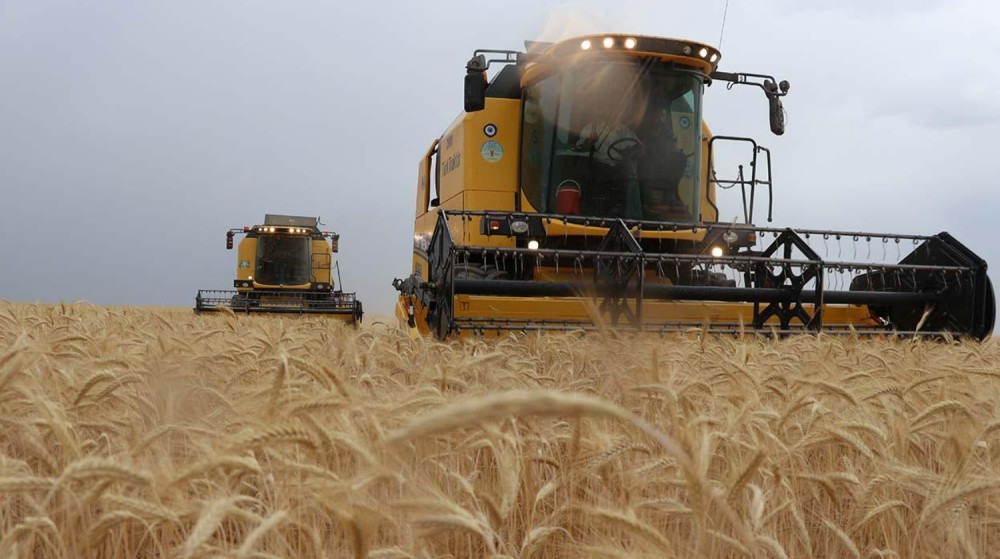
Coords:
pixel 131 432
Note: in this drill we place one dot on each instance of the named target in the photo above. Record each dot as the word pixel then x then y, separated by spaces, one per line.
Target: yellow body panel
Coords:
pixel 246 259
pixel 467 179
pixel 695 314
pixel 322 262
pixel 581 309
pixel 471 161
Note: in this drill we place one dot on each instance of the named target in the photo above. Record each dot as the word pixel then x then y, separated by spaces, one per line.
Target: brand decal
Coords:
pixel 490 130
pixel 452 163
pixel 492 151
pixel 245 264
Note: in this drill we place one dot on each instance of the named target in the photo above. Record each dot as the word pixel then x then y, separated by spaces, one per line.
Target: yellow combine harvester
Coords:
pixel 578 191
pixel 284 266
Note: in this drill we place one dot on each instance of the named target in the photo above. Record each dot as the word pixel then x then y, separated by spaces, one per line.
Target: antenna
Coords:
pixel 723 31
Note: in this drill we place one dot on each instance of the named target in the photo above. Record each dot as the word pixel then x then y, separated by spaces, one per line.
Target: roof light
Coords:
pixel 715 56
pixel 703 52
pixel 585 45
pixel 630 43
pixel 686 49
pixel 609 42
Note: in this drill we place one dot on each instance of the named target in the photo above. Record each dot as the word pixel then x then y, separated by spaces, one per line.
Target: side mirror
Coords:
pixel 777 115
pixel 229 240
pixel 435 203
pixel 475 92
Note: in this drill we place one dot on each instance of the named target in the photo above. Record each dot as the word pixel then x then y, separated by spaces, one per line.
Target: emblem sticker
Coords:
pixel 684 121
pixel 492 151
pixel 490 130
pixel 245 264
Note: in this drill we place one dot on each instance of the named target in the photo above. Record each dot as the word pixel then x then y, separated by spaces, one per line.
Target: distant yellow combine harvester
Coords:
pixel 579 188
pixel 284 266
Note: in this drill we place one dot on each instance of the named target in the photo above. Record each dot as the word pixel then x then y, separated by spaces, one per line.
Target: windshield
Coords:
pixel 283 260
pixel 614 139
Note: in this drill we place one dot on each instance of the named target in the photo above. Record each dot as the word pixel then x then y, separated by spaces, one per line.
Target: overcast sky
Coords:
pixel 134 134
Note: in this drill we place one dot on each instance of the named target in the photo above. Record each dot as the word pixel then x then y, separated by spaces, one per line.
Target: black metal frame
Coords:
pixel 783 281
pixel 740 180
pixel 287 302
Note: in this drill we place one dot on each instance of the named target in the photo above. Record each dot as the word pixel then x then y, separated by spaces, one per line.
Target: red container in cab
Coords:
pixel 568 197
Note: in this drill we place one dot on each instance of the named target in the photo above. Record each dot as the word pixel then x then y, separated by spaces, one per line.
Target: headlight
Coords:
pixel 716 251
pixel 532 245
pixel 519 227
pixel 730 237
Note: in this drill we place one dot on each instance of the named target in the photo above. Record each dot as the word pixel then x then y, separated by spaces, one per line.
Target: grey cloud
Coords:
pixel 947 105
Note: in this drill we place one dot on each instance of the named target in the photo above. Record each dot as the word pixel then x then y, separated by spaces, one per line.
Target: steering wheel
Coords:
pixel 623 147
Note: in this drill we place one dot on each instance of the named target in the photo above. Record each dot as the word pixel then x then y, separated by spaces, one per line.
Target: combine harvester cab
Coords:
pixel 284 266
pixel 578 192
